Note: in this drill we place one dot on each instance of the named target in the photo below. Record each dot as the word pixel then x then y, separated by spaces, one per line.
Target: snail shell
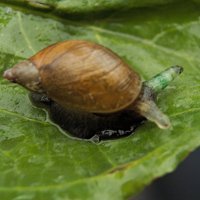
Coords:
pixel 86 76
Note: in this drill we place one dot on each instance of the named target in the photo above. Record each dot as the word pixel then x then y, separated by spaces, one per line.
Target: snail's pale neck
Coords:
pixel 145 104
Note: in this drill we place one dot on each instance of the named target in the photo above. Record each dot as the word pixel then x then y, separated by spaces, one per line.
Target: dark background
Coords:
pixel 182 184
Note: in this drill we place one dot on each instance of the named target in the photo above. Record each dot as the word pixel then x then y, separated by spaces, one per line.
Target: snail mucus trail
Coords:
pixel 89 91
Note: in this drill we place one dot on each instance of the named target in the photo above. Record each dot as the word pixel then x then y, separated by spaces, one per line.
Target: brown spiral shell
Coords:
pixel 86 76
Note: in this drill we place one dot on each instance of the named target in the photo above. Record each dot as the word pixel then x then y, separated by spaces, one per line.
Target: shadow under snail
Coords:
pixel 87 78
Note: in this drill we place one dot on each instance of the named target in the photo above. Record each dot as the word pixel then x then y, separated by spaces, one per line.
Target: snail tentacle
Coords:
pixel 162 80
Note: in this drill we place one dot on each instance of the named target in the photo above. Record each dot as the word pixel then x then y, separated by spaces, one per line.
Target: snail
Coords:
pixel 90 78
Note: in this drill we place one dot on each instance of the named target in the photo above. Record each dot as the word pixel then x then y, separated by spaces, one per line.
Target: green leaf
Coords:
pixel 39 161
pixel 79 7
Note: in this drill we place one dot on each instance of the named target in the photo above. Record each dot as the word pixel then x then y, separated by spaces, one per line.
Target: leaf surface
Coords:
pixel 38 161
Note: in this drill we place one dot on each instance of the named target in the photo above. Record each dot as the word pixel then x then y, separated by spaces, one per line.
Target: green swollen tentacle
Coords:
pixel 162 80
pixel 145 104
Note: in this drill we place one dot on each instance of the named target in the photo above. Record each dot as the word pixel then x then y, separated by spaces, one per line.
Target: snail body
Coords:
pixel 89 77
pixel 87 125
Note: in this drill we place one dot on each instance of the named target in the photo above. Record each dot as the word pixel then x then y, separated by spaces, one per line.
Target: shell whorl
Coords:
pixel 86 76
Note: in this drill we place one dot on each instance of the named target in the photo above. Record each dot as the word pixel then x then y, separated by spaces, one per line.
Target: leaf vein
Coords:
pixel 23 117
pixel 24 33
pixel 147 42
